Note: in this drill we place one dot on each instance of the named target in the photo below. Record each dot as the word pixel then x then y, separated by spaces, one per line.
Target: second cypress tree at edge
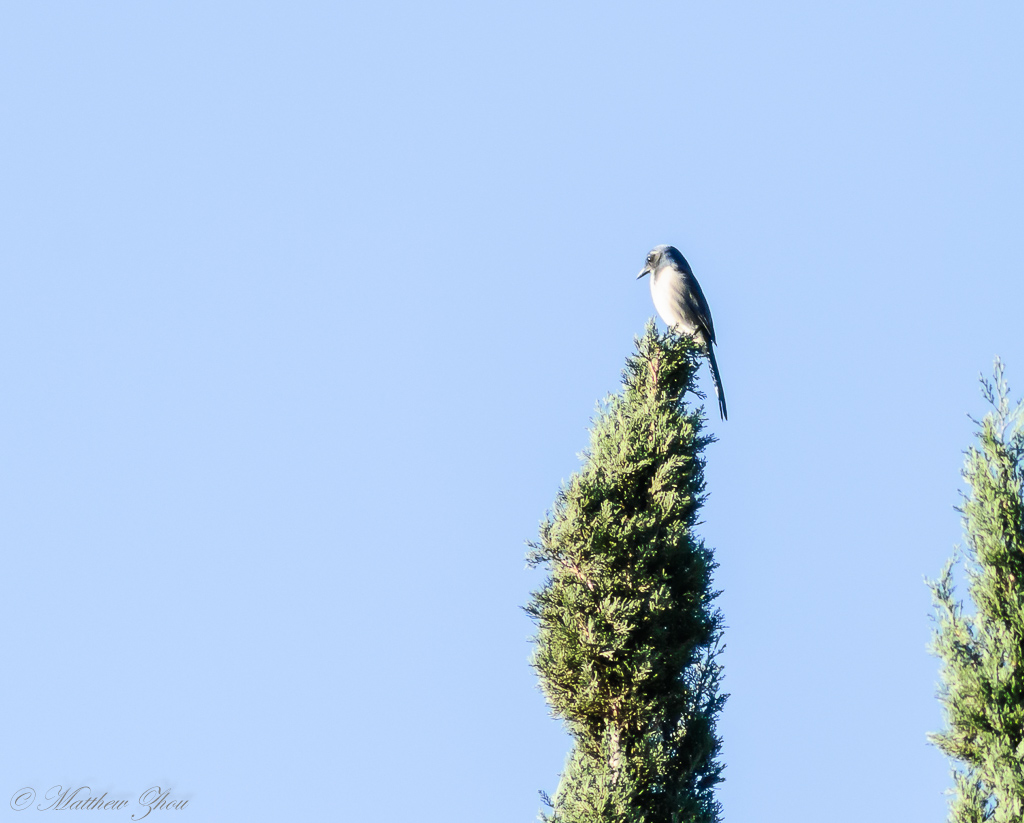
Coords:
pixel 982 649
pixel 628 636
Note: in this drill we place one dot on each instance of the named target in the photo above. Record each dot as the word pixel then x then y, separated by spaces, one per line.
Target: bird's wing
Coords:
pixel 698 305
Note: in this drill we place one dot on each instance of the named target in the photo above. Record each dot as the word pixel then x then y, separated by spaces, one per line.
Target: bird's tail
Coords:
pixel 717 378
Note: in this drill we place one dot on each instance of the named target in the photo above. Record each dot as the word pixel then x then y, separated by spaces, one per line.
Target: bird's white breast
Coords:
pixel 668 290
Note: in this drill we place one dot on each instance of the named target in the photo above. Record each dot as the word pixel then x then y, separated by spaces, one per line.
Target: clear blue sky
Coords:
pixel 306 307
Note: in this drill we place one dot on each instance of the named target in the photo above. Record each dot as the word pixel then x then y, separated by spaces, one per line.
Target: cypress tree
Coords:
pixel 982 648
pixel 627 634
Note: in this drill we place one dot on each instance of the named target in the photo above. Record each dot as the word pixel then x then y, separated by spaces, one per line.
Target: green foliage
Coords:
pixel 982 689
pixel 628 636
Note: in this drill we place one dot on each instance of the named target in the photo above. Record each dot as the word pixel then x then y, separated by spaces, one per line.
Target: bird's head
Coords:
pixel 658 257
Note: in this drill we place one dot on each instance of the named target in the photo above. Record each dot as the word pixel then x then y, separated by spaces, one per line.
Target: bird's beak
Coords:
pixel 645 271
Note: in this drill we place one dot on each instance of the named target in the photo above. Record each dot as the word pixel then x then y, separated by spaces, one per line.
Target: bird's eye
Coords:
pixel 650 259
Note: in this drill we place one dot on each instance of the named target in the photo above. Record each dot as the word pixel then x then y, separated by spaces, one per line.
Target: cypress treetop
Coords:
pixel 628 635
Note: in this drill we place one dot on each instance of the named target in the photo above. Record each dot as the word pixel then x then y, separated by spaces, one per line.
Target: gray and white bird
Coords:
pixel 681 304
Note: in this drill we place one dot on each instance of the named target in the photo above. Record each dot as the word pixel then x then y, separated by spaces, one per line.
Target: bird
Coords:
pixel 682 305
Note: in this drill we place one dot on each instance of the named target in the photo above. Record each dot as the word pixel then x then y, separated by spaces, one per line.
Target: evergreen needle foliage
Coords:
pixel 982 651
pixel 628 637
